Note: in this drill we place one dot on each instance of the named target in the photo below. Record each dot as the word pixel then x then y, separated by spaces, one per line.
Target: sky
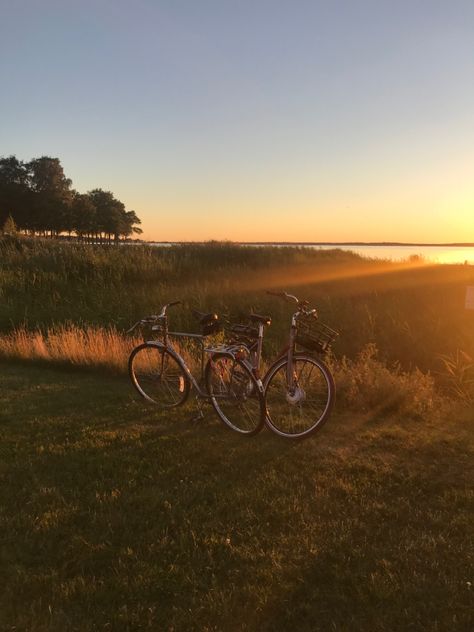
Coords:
pixel 252 120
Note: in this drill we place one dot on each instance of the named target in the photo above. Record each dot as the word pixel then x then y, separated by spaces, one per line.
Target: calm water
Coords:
pixel 435 254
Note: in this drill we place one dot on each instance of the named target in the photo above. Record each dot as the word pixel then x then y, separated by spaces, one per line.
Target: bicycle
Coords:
pixel 299 387
pixel 161 376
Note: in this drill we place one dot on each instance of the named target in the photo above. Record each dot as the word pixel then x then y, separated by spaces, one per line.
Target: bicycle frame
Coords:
pixel 162 376
pixel 199 339
pixel 231 350
pixel 159 324
pixel 255 348
pixel 255 352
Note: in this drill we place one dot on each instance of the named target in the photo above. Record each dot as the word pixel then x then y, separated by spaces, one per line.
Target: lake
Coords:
pixel 435 254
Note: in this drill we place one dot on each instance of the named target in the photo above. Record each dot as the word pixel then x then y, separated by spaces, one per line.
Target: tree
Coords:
pixel 128 227
pixel 108 213
pixel 52 197
pixel 112 220
pixel 39 198
pixel 14 190
pixel 84 215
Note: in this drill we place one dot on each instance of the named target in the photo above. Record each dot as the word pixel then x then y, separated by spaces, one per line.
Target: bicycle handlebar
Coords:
pixel 148 320
pixel 133 327
pixel 165 307
pixel 291 298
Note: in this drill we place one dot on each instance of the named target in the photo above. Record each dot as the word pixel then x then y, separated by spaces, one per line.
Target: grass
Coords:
pixel 69 345
pixel 413 313
pixel 365 383
pixel 117 517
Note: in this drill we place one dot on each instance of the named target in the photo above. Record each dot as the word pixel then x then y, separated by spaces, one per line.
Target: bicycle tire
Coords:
pixel 300 414
pixel 158 375
pixel 235 394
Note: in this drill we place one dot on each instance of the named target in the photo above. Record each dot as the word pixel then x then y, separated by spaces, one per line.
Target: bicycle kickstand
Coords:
pixel 200 413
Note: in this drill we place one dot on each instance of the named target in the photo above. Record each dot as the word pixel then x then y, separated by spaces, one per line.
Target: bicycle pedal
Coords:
pixel 197 418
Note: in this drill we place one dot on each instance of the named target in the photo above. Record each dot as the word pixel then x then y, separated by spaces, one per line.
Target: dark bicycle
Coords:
pixel 161 376
pixel 299 387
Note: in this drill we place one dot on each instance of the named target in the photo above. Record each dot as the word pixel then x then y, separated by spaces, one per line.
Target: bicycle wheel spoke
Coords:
pixel 232 389
pixel 157 375
pixel 299 411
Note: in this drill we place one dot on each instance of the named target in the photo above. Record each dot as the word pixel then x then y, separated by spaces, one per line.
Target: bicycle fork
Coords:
pixel 294 393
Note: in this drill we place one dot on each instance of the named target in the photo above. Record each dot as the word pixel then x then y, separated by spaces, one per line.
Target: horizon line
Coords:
pixel 314 243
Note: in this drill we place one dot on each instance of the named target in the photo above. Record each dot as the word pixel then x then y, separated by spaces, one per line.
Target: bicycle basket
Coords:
pixel 313 335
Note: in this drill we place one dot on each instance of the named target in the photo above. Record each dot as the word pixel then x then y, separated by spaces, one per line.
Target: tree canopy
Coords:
pixel 40 200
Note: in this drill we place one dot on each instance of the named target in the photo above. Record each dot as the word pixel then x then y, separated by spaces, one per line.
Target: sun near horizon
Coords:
pixel 344 121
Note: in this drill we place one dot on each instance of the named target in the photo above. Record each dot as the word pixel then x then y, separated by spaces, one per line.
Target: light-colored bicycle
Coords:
pixel 161 376
pixel 299 387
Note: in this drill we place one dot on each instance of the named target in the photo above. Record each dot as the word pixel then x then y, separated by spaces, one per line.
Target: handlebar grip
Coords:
pixel 290 298
pixel 274 293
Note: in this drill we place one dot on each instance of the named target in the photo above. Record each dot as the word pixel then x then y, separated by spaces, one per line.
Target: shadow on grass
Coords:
pixel 130 518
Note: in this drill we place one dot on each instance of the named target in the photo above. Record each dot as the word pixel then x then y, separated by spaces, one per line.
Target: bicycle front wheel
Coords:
pixel 158 375
pixel 298 411
pixel 235 394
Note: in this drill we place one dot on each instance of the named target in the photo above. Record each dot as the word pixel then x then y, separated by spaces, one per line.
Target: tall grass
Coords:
pixel 363 384
pixel 95 347
pixel 413 313
pixel 367 384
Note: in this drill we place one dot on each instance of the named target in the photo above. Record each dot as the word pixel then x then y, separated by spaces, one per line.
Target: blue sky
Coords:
pixel 333 120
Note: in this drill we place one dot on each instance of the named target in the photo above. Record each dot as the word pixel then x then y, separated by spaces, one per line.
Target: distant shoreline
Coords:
pixel 326 243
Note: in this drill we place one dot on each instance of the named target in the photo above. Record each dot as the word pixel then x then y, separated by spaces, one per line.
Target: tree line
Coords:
pixel 37 199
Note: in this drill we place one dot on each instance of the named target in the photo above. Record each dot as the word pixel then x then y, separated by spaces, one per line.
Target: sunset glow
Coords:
pixel 259 121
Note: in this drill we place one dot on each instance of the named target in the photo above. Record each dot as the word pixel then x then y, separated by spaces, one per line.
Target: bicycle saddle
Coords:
pixel 210 322
pixel 257 318
pixel 203 318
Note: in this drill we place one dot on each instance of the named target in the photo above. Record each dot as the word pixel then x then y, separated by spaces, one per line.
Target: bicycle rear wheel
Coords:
pixel 299 413
pixel 158 375
pixel 235 394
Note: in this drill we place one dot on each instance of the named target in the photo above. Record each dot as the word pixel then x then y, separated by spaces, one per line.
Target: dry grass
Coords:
pixel 363 384
pixel 97 347
pixel 90 347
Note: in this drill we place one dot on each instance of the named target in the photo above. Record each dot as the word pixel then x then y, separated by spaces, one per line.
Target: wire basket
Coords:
pixel 314 335
pixel 152 331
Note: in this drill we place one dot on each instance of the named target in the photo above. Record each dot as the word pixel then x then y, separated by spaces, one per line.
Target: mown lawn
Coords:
pixel 117 517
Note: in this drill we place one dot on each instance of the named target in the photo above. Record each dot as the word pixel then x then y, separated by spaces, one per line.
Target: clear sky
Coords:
pixel 296 120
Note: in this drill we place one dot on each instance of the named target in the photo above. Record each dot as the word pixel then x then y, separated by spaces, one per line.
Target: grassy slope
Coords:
pixel 117 517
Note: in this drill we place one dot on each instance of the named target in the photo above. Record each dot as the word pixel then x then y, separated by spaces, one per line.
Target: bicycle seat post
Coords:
pixel 258 357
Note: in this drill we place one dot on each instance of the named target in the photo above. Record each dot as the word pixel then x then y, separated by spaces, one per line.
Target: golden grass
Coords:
pixel 68 344
pixel 93 347
pixel 365 383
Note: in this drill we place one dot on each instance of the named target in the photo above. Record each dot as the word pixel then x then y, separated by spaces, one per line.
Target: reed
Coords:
pixel 414 313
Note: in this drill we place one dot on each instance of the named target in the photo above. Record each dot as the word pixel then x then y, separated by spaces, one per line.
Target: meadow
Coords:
pixel 117 516
pixel 410 314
